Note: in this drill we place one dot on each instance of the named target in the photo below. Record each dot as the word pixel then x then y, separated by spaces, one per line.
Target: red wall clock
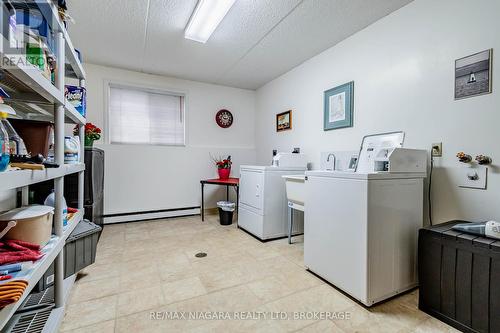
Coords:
pixel 224 118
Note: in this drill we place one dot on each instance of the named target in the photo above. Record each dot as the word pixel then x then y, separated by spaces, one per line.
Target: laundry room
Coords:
pixel 249 166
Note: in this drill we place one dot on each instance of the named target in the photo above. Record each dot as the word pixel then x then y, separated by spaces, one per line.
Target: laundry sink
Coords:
pixel 295 188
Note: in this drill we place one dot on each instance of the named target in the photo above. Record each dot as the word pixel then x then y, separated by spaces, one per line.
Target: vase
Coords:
pixel 224 173
pixel 89 142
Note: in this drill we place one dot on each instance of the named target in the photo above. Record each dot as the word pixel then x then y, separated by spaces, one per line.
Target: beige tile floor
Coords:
pixel 149 267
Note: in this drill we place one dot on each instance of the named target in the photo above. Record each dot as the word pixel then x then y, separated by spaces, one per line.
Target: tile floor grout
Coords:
pixel 212 292
pixel 261 275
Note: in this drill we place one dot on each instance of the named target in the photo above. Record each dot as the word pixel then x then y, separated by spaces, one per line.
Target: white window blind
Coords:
pixel 142 116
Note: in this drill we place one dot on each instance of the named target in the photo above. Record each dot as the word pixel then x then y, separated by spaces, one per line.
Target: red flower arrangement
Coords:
pixel 223 166
pixel 92 132
pixel 222 163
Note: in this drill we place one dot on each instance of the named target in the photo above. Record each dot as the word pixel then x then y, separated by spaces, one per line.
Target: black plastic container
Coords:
pixel 79 252
pixel 93 186
pixel 225 217
pixel 93 203
pixel 459 278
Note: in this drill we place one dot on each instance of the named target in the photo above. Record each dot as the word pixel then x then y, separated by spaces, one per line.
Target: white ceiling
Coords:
pixel 257 41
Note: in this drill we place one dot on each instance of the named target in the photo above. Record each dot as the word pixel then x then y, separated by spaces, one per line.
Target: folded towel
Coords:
pixel 14 251
pixel 22 245
pixel 12 292
pixel 13 285
pixel 11 268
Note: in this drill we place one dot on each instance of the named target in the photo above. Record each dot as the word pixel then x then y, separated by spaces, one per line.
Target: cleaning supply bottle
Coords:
pixel 71 149
pixel 4 136
pixel 4 148
pixel 51 153
pixel 17 145
pixel 51 201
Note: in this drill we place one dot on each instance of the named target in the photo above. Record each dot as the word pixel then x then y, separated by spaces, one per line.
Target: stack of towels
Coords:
pixel 15 255
pixel 11 292
pixel 14 251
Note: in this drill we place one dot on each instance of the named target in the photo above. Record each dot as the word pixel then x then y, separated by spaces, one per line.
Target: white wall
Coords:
pixel 403 68
pixel 143 178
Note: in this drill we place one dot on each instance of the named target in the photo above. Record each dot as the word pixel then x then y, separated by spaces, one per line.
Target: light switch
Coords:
pixel 474 177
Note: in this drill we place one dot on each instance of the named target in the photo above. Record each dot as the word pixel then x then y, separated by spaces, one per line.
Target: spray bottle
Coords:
pixel 4 148
pixel 4 136
pixel 17 146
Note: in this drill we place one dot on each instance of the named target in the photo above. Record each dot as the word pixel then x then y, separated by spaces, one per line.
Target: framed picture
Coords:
pixel 284 121
pixel 339 103
pixel 473 75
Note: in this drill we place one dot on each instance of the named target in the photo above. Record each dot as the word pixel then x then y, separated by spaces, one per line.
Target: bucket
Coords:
pixel 33 224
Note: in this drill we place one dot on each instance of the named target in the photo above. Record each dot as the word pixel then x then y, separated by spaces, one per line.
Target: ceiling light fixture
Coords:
pixel 206 17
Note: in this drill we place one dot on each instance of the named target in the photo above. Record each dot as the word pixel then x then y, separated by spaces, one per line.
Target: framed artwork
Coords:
pixel 473 75
pixel 284 121
pixel 338 107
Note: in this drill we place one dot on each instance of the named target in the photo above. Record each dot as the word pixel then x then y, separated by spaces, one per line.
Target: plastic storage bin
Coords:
pixel 226 210
pixel 79 252
pixel 459 276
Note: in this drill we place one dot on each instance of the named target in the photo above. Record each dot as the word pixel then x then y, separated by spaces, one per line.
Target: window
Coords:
pixel 144 116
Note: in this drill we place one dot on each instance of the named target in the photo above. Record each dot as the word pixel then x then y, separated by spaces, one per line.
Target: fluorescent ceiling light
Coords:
pixel 206 17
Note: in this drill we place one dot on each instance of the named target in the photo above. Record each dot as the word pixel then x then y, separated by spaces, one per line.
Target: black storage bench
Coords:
pixel 459 278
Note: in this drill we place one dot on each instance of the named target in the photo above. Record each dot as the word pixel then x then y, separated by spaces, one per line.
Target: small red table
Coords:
pixel 234 182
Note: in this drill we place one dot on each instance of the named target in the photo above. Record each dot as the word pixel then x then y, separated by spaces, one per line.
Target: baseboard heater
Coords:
pixel 150 215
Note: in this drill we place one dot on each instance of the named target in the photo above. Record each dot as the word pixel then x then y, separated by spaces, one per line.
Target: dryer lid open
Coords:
pixel 372 144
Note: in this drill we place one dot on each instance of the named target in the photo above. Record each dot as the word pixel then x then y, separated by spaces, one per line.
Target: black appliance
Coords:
pixel 93 199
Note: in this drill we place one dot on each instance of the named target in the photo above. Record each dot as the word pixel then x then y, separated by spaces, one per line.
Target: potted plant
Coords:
pixel 92 133
pixel 223 166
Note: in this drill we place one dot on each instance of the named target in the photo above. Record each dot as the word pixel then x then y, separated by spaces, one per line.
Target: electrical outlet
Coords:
pixel 437 149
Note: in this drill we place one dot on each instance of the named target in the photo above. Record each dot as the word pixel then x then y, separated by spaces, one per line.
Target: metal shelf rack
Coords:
pixel 34 97
pixel 35 273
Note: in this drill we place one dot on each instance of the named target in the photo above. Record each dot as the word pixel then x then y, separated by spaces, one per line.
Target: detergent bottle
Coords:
pixel 4 148
pixel 51 201
pixel 17 145
pixel 4 135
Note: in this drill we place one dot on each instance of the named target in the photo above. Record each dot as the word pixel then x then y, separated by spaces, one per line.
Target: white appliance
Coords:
pixel 262 209
pixel 361 227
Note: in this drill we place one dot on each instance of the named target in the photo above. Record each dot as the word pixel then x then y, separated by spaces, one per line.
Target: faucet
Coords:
pixel 334 161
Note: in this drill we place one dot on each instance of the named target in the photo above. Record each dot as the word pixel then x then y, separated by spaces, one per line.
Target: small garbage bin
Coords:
pixel 226 209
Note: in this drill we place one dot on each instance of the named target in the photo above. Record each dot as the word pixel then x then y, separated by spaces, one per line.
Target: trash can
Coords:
pixel 226 209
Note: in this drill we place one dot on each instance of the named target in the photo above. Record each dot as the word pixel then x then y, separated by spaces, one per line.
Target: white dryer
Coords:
pixel 262 209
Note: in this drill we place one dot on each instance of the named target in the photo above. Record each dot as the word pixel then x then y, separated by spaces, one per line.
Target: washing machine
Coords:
pixel 361 227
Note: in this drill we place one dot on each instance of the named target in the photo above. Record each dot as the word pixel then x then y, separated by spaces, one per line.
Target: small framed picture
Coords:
pixel 473 75
pixel 284 121
pixel 338 107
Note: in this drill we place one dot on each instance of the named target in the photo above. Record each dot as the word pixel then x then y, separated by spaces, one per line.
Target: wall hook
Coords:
pixel 464 158
pixel 483 160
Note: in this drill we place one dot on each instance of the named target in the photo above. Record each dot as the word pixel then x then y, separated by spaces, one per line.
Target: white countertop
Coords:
pixel 271 168
pixel 356 175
